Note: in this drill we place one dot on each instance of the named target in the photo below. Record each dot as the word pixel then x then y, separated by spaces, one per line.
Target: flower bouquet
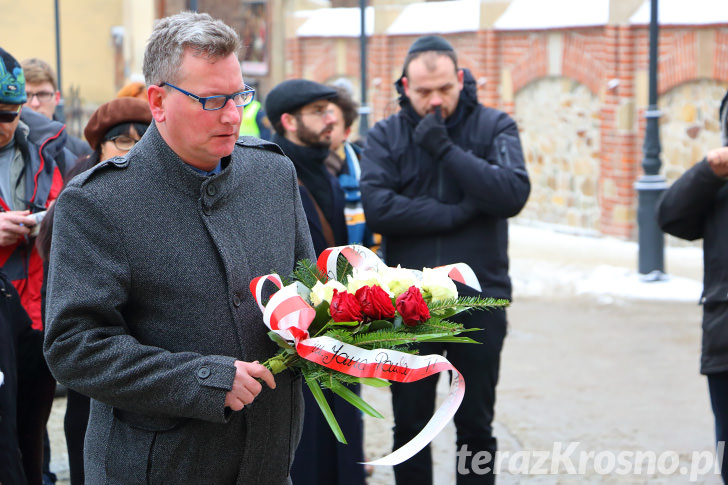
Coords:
pixel 350 318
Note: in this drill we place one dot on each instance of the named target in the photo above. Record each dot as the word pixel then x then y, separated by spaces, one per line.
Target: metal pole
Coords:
pixel 364 110
pixel 651 185
pixel 60 115
pixel 192 5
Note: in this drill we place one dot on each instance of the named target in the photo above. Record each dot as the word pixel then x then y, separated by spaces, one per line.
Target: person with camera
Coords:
pixel 30 180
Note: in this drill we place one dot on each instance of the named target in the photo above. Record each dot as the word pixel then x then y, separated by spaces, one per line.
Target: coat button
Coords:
pixel 236 300
pixel 207 210
pixel 203 372
pixel 211 190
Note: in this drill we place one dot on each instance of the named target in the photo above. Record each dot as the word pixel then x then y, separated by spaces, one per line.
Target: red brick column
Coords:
pixel 490 67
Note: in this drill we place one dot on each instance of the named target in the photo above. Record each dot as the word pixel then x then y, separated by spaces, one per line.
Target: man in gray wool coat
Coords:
pixel 149 308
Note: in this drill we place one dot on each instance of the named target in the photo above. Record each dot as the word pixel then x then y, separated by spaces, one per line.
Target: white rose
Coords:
pixel 324 292
pixel 399 279
pixel 438 284
pixel 367 277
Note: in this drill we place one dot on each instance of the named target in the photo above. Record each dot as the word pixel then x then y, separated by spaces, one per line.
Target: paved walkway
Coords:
pixel 596 362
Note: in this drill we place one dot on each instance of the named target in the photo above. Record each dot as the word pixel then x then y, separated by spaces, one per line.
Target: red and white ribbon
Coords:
pixel 289 315
pixel 392 366
pixel 462 273
pixel 363 258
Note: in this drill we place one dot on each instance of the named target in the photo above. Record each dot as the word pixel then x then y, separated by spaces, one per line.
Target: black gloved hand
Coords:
pixel 431 134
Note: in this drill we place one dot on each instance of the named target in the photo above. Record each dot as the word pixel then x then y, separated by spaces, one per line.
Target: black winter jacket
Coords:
pixel 435 212
pixel 695 207
pixel 21 358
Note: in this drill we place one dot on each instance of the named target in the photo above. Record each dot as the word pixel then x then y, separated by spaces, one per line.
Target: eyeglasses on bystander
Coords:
pixel 9 115
pixel 123 142
pixel 43 96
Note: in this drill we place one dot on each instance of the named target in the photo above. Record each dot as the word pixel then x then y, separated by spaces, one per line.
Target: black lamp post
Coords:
pixel 364 110
pixel 651 185
pixel 60 115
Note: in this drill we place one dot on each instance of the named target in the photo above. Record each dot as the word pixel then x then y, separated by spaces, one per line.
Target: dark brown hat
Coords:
pixel 115 112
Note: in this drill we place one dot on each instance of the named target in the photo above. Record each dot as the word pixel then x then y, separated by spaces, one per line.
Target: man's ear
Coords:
pixel 57 96
pixel 405 85
pixel 289 122
pixel 461 78
pixel 155 97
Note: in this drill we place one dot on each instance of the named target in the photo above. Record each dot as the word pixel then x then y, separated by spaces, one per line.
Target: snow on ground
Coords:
pixel 548 263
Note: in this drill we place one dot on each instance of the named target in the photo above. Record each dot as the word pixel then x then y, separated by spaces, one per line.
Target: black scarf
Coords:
pixel 309 163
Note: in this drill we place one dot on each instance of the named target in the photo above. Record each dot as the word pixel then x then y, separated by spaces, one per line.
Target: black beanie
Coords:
pixel 430 43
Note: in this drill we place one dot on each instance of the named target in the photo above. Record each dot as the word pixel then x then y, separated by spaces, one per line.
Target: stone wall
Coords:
pixel 560 126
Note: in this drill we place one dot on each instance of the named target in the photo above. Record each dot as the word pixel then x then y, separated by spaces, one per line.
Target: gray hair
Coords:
pixel 206 37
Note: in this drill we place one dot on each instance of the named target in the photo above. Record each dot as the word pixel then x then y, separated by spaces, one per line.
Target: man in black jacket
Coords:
pixel 300 113
pixel 695 207
pixel 439 180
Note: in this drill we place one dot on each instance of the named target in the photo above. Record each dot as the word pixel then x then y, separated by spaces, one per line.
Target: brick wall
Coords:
pixel 515 70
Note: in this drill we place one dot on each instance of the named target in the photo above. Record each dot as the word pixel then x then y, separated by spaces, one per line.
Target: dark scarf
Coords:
pixel 309 163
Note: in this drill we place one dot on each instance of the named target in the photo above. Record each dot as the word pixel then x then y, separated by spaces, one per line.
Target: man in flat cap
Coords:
pixel 29 182
pixel 300 113
pixel 439 180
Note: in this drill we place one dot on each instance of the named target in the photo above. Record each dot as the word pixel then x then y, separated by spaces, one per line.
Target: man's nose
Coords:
pixel 231 112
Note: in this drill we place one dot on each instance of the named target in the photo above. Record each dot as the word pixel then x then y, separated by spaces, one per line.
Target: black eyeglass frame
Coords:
pixel 43 96
pixel 116 144
pixel 203 100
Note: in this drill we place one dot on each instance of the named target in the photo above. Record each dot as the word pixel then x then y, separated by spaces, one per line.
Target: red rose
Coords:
pixel 375 302
pixel 412 307
pixel 345 307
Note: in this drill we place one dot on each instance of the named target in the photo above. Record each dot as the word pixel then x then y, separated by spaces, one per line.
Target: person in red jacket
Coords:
pixel 29 183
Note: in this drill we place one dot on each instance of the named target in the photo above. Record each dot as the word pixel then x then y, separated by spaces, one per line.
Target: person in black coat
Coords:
pixel 696 207
pixel 439 180
pixel 21 359
pixel 299 111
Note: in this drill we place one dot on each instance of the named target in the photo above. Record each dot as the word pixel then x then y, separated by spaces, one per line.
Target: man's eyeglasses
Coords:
pixel 8 116
pixel 43 96
pixel 123 142
pixel 213 103
pixel 321 112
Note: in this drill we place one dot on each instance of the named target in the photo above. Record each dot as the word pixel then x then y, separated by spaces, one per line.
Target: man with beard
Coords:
pixel 303 121
pixel 299 112
pixel 439 181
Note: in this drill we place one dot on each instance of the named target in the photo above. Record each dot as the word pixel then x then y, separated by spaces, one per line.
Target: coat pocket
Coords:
pixel 130 445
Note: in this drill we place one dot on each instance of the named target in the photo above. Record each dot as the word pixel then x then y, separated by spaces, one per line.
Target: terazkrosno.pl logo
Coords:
pixel 568 459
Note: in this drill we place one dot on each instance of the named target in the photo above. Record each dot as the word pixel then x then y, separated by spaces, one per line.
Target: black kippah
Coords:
pixel 430 43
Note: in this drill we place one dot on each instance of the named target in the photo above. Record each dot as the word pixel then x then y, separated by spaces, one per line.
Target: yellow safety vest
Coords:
pixel 248 125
